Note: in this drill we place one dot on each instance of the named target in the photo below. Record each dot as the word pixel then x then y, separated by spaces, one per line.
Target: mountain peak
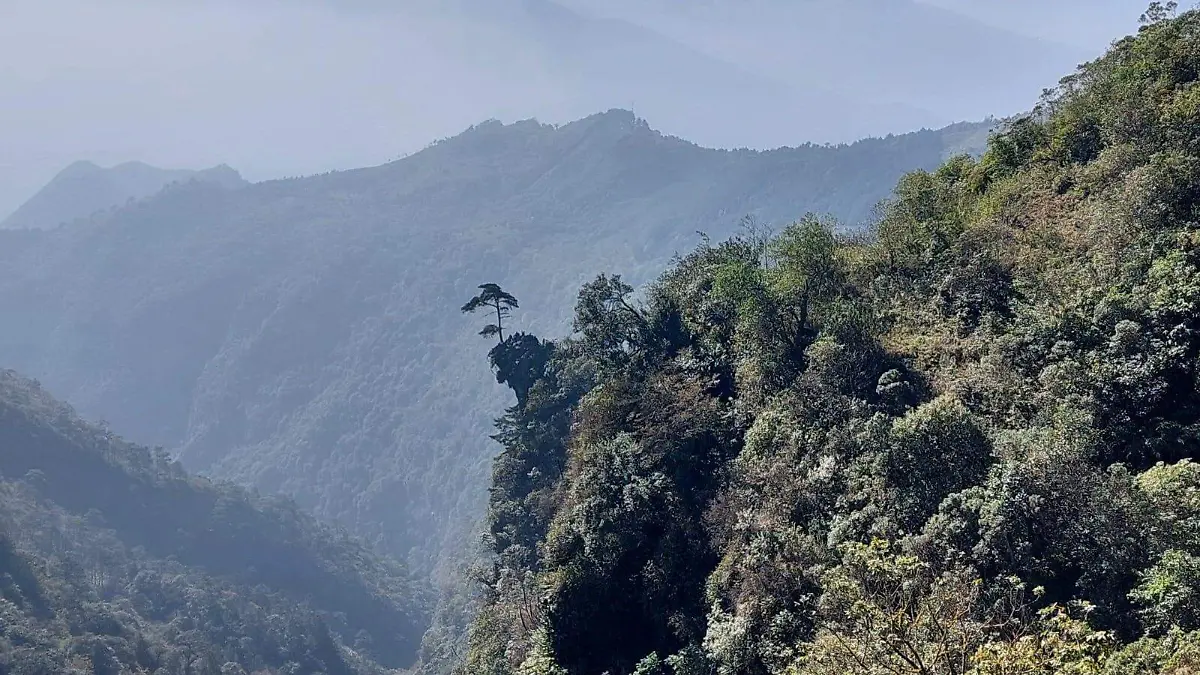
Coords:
pixel 81 167
pixel 223 175
pixel 84 188
pixel 614 123
pixel 618 116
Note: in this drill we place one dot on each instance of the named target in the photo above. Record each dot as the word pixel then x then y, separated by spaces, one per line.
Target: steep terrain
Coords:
pixel 965 444
pixel 113 559
pixel 300 335
pixel 84 189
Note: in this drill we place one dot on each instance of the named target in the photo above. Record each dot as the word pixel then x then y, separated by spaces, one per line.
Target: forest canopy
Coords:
pixel 964 443
pixel 115 560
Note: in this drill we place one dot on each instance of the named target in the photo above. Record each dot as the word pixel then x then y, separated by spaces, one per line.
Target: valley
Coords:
pixel 188 320
pixel 696 385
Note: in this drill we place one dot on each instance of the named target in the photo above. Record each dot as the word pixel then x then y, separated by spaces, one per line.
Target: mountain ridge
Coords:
pixel 497 66
pixel 206 297
pixel 84 189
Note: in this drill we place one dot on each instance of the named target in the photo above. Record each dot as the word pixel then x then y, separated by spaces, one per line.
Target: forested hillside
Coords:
pixel 84 189
pixel 294 335
pixel 965 442
pixel 114 560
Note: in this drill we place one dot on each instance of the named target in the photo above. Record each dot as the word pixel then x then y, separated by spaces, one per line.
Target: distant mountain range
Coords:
pixel 84 189
pixel 307 86
pixel 303 336
pixel 602 60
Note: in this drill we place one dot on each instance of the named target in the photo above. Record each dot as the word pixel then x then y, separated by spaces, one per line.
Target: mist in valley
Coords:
pixel 598 337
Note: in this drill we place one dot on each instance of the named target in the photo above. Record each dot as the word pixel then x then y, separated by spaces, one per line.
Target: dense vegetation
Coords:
pixel 114 560
pixel 291 335
pixel 964 443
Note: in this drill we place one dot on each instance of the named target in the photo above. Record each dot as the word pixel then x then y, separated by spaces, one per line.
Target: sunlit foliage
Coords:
pixel 963 444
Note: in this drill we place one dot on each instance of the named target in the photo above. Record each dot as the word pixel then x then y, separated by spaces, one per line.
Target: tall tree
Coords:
pixel 1159 12
pixel 495 298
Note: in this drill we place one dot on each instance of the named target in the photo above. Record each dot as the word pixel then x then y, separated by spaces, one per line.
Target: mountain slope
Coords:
pixel 965 444
pixel 144 564
pixel 83 189
pixel 301 335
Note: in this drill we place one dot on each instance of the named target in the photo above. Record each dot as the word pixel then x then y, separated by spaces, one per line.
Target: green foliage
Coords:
pixel 1159 12
pixel 962 445
pixel 293 335
pixel 494 299
pixel 520 361
pixel 1059 643
pixel 1169 591
pixel 540 660
pixel 113 559
pixel 883 612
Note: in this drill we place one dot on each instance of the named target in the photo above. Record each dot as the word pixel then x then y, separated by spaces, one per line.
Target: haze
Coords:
pixel 278 89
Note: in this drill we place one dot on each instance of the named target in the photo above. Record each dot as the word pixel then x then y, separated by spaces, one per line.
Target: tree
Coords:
pixel 759 235
pixel 809 272
pixel 496 299
pixel 886 612
pixel 1158 12
pixel 520 361
pixel 608 324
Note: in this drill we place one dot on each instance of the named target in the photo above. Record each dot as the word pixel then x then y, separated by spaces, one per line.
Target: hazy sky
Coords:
pixel 275 88
pixel 1088 24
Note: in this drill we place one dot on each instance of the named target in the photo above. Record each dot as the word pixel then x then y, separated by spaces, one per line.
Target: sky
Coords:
pixel 1083 24
pixel 278 88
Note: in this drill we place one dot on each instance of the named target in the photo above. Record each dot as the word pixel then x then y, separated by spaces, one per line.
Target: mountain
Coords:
pixel 968 444
pixel 302 336
pixel 605 61
pixel 113 559
pixel 83 189
pixel 297 87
